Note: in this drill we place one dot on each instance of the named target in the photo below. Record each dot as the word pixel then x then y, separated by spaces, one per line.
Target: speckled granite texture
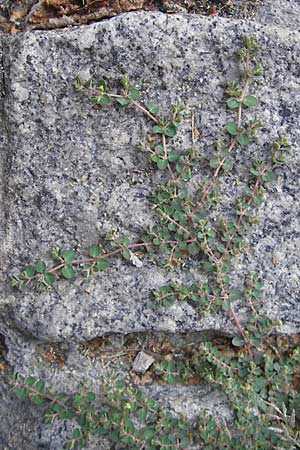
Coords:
pixel 69 166
pixel 67 171
pixel 284 14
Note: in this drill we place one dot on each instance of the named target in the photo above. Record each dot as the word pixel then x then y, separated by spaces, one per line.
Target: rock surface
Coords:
pixel 69 166
pixel 66 175
pixel 278 13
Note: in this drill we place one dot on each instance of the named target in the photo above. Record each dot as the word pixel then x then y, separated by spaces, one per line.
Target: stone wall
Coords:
pixel 66 178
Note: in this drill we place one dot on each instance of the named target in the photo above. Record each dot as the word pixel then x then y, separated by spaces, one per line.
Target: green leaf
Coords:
pixel 182 245
pixel 123 101
pixel 68 272
pixel 225 266
pixel 125 439
pixel 168 365
pixel 76 433
pixel 258 200
pixel 232 103
pixel 231 127
pixel 227 165
pixel 90 396
pixel 171 226
pixel 162 164
pixel 142 413
pixel 208 267
pixel 254 171
pixel 193 249
pixel 173 156
pixel 235 294
pixel 126 254
pixel 268 176
pixel 214 163
pixel 133 93
pixel 29 271
pixel 238 341
pixel 94 250
pixel 66 415
pixel 102 85
pixel 176 123
pixel 40 384
pixel 150 403
pixel 171 379
pixel 249 100
pixel 157 130
pixel 220 247
pixel 224 153
pixel 149 433
pixel 159 150
pixel 154 158
pixel 168 301
pixel 68 255
pixel 172 436
pixel 30 381
pixel 156 241
pixel 106 426
pixel 37 400
pixel 104 100
pixel 243 139
pixel 170 130
pixel 120 384
pixel 101 264
pixel 186 174
pixel 124 82
pixel 152 107
pixel 40 267
pixel 21 393
pixel 225 305
pixel 56 407
pixel 49 278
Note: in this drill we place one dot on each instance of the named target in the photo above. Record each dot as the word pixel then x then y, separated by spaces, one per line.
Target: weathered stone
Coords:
pixel 66 173
pixel 23 427
pixel 56 138
pixel 190 401
pixel 284 14
pixel 142 362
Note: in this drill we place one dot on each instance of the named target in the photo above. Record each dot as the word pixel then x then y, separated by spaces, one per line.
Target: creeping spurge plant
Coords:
pixel 262 382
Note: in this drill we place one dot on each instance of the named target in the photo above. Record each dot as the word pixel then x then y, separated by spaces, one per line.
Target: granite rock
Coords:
pixel 66 177
pixel 283 14
pixel 68 170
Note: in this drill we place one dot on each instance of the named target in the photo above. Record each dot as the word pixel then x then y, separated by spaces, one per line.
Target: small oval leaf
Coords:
pixel 123 101
pixel 133 93
pixel 173 156
pixel 40 267
pixel 94 250
pixel 249 101
pixel 101 264
pixel 29 271
pixel 68 255
pixel 232 103
pixel 157 130
pixel 231 127
pixel 243 139
pixel 104 100
pixel 162 164
pixel 68 272
pixel 170 130
pixel 49 278
pixel 152 107
pixel 238 341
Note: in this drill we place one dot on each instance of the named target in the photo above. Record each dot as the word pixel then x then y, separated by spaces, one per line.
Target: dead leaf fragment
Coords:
pixel 17 14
